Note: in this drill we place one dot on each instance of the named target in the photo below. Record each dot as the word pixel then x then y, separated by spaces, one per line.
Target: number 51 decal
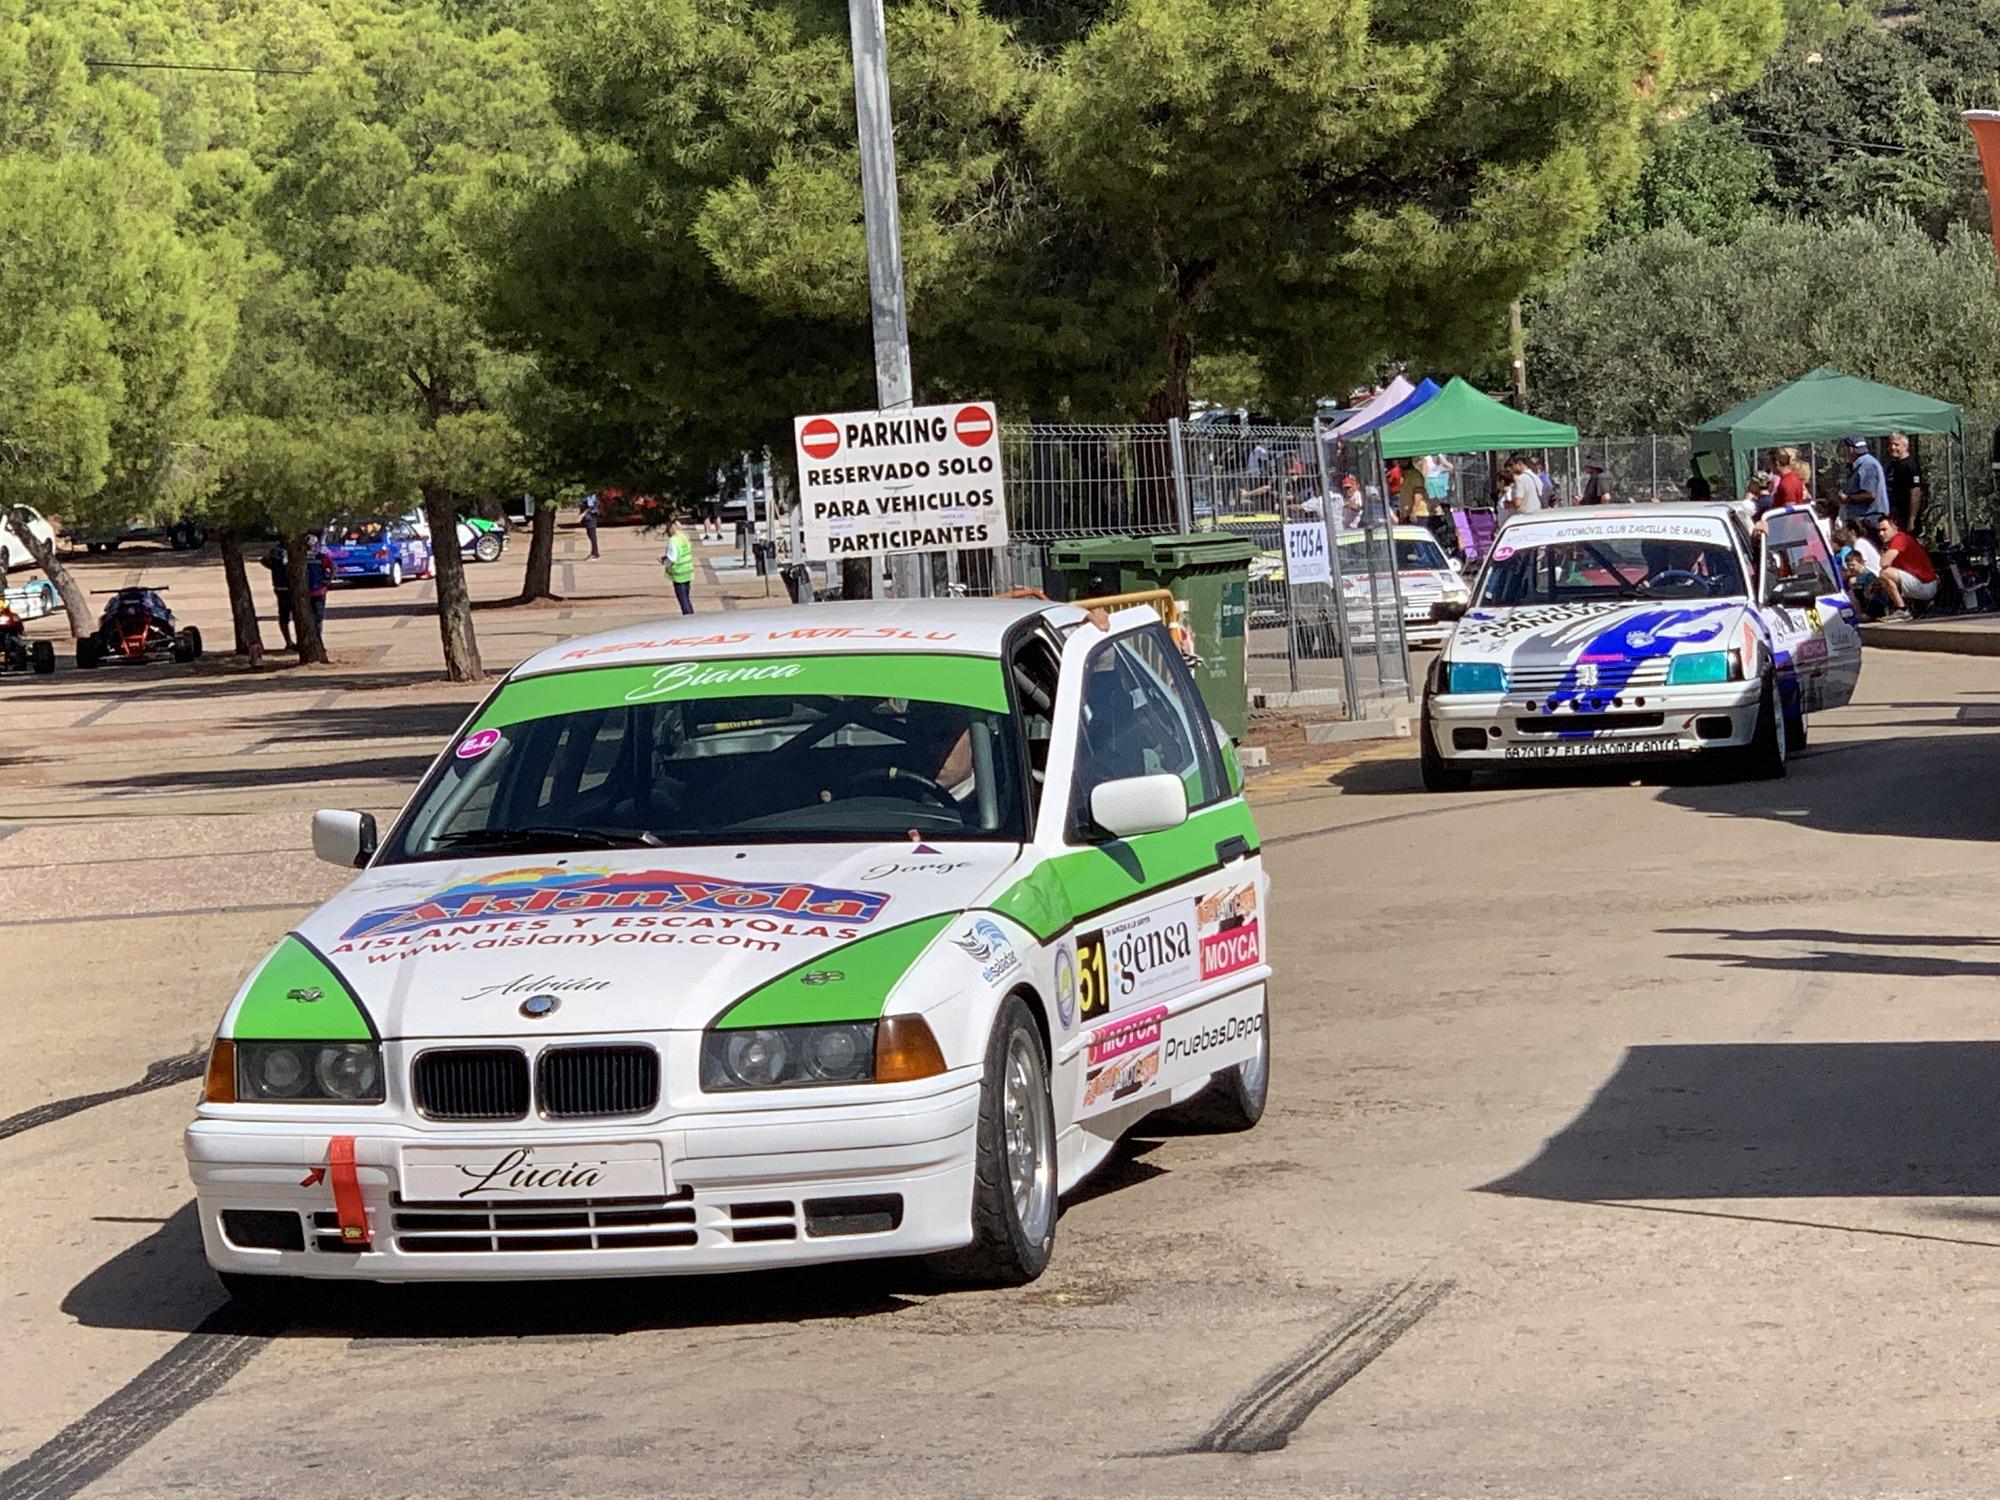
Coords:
pixel 1093 983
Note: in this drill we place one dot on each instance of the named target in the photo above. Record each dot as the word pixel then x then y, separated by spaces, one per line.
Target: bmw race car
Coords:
pixel 376 549
pixel 1636 631
pixel 137 626
pixel 861 930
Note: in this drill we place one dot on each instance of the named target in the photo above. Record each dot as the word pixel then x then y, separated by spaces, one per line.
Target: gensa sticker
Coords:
pixel 475 745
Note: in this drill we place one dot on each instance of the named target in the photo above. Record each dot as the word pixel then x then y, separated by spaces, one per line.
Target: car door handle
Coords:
pixel 1233 848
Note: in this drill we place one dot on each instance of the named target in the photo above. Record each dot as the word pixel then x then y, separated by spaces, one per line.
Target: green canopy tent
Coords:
pixel 1821 406
pixel 1459 419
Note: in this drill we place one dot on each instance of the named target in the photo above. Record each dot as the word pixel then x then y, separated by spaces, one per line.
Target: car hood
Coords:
pixel 1611 633
pixel 639 940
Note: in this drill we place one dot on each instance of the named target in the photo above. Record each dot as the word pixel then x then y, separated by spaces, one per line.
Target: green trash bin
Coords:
pixel 1207 572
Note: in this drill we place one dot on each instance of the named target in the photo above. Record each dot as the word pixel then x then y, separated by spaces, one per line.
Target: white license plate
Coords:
pixel 531 1174
pixel 1583 749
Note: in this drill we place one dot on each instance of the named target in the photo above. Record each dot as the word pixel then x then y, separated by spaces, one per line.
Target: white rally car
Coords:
pixel 1650 630
pixel 857 930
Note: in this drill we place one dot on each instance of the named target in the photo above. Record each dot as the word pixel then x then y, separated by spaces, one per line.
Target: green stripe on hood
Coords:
pixel 847 984
pixel 297 996
pixel 971 681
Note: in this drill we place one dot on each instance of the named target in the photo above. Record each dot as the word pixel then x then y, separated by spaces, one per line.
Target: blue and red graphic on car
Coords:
pixel 381 548
pixel 1606 665
pixel 568 890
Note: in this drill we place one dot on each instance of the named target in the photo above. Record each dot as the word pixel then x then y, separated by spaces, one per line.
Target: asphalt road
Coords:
pixel 1626 1140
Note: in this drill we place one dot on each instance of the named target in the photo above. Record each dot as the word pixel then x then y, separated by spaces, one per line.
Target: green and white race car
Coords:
pixel 856 930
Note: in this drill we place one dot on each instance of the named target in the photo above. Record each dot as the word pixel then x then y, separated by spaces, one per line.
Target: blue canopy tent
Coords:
pixel 1425 390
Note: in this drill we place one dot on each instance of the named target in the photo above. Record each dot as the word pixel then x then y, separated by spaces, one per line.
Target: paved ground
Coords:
pixel 1626 1140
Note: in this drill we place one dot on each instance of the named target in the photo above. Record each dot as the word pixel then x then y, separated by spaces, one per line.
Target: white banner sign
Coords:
pixel 923 480
pixel 1305 553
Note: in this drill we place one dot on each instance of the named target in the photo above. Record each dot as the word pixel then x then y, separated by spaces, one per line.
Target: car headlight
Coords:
pixel 1701 666
pixel 777 1057
pixel 1474 677
pixel 324 1072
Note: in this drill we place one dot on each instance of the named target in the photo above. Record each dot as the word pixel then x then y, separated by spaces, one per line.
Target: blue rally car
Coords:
pixel 376 549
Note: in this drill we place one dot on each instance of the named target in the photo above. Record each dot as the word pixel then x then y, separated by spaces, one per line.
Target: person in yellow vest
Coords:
pixel 679 562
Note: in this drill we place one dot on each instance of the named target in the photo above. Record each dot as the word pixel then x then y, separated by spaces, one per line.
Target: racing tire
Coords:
pixel 89 652
pixel 42 658
pixel 1795 733
pixel 395 578
pixel 488 547
pixel 1014 1175
pixel 1235 1098
pixel 1440 775
pixel 187 645
pixel 1764 758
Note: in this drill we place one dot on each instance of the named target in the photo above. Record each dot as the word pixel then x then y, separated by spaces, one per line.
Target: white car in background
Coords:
pixel 860 930
pixel 15 553
pixel 1634 631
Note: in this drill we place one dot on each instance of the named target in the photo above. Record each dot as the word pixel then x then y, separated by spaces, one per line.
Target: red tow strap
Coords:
pixel 347 1191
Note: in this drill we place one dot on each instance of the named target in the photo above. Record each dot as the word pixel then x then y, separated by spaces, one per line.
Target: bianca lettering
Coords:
pixel 675 676
pixel 516 1172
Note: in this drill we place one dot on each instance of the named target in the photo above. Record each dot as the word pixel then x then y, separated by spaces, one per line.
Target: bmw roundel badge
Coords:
pixel 537 1006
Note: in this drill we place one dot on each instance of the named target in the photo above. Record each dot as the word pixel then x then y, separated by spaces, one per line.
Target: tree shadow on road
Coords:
pixel 1937 786
pixel 387 721
pixel 1779 1120
pixel 1840 953
pixel 254 773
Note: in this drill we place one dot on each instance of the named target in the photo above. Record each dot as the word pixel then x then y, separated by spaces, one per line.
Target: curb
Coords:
pixel 1953 640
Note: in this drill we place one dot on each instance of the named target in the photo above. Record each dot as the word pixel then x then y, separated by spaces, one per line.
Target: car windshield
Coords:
pixel 1572 565
pixel 759 751
pixel 1414 554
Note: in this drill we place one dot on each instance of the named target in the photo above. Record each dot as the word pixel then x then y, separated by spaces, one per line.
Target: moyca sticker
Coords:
pixel 588 892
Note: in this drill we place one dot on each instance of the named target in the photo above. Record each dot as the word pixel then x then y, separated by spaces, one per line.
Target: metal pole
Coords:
pixel 1396 578
pixel 1328 499
pixel 1183 505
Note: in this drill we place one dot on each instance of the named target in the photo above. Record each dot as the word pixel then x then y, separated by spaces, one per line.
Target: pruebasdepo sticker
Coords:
pixel 475 745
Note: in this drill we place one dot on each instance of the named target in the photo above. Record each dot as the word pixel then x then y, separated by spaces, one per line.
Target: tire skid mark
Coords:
pixel 1264 1419
pixel 164 1073
pixel 147 916
pixel 158 1396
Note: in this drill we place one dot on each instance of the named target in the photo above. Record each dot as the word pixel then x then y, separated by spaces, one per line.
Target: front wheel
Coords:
pixel 89 652
pixel 42 658
pixel 1764 758
pixel 489 546
pixel 1014 1181
pixel 1440 775
pixel 187 645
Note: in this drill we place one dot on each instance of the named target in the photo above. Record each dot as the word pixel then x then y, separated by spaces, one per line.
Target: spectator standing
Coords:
pixel 1865 490
pixel 1539 465
pixel 590 517
pixel 1437 477
pixel 1525 493
pixel 1596 486
pixel 319 578
pixel 711 516
pixel 1908 574
pixel 679 562
pixel 1906 483
pixel 1414 496
pixel 1350 503
pixel 1787 486
pixel 277 564
pixel 1699 488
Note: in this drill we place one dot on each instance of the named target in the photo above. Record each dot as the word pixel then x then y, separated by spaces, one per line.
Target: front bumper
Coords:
pixel 1495 728
pixel 748 1188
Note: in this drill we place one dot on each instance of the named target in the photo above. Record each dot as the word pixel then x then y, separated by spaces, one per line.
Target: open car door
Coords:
pixel 1822 640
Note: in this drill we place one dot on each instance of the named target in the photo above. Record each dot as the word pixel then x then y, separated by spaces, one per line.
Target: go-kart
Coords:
pixel 137 626
pixel 17 652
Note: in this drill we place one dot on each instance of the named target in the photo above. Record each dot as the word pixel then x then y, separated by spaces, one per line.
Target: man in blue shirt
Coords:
pixel 1865 494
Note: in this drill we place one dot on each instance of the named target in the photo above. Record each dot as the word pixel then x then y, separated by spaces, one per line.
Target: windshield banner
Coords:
pixel 970 681
pixel 1677 529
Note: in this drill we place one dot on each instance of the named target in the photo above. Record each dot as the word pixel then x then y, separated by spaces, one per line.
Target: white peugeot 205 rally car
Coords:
pixel 1647 630
pixel 859 930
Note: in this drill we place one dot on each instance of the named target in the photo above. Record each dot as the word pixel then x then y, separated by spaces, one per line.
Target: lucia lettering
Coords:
pixel 516 1172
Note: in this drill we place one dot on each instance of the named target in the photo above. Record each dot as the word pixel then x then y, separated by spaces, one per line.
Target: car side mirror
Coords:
pixel 1457 564
pixel 1795 593
pixel 1447 609
pixel 344 838
pixel 1139 804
